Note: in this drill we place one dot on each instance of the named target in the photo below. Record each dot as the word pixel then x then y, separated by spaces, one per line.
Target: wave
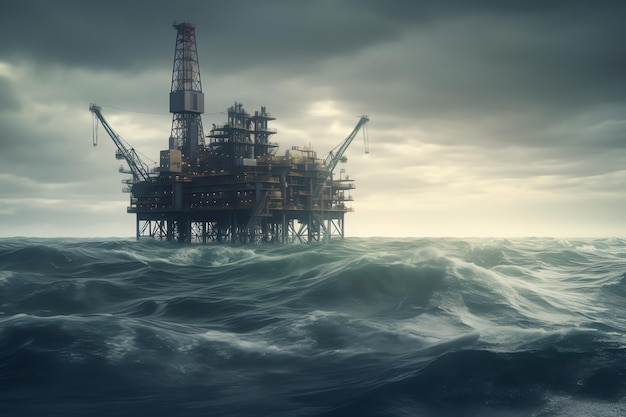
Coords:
pixel 359 326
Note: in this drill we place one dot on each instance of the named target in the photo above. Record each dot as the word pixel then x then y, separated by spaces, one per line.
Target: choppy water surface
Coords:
pixel 359 327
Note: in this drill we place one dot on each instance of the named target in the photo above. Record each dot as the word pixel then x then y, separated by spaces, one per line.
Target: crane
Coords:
pixel 138 168
pixel 336 154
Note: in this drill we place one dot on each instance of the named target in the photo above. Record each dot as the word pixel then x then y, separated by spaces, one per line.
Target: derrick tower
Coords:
pixel 186 98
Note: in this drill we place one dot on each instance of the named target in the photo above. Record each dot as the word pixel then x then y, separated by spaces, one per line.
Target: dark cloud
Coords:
pixel 476 63
pixel 459 59
pixel 86 34
pixel 234 35
pixel 485 98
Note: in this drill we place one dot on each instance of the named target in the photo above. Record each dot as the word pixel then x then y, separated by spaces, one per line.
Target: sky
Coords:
pixel 487 118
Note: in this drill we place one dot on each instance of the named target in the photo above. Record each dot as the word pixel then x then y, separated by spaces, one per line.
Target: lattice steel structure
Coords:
pixel 186 98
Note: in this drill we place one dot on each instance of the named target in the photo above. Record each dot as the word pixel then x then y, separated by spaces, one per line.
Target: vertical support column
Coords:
pixel 169 231
pixel 233 232
pixel 184 229
pixel 341 225
pixel 284 231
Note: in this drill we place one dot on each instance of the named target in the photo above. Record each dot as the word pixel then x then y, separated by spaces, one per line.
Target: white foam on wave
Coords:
pixel 567 406
pixel 185 256
pixel 134 255
pixel 5 276
pixel 127 336
pixel 119 346
pixel 588 248
pixel 240 342
pixel 213 255
pixel 551 296
pixel 432 327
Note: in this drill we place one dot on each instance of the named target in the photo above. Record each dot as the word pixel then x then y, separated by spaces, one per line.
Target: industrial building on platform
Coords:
pixel 230 186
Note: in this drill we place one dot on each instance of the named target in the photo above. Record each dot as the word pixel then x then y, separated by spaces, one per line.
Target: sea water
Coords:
pixel 353 327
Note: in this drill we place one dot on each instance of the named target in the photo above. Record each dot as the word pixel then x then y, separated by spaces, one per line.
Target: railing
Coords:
pixel 343 186
pixel 266 129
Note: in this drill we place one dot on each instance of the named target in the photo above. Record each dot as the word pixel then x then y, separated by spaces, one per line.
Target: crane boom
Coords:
pixel 138 168
pixel 335 155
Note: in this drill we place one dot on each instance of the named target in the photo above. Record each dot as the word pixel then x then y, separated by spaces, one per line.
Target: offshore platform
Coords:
pixel 230 186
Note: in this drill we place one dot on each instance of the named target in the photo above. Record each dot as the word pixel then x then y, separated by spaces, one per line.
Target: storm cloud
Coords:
pixel 487 118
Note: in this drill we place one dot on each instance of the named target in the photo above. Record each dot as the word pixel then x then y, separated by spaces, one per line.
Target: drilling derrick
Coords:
pixel 233 187
pixel 186 99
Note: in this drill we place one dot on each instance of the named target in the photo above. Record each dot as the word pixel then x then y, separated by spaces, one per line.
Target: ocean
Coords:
pixel 353 327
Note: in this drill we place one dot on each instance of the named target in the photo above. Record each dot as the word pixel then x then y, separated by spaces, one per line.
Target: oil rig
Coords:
pixel 230 186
